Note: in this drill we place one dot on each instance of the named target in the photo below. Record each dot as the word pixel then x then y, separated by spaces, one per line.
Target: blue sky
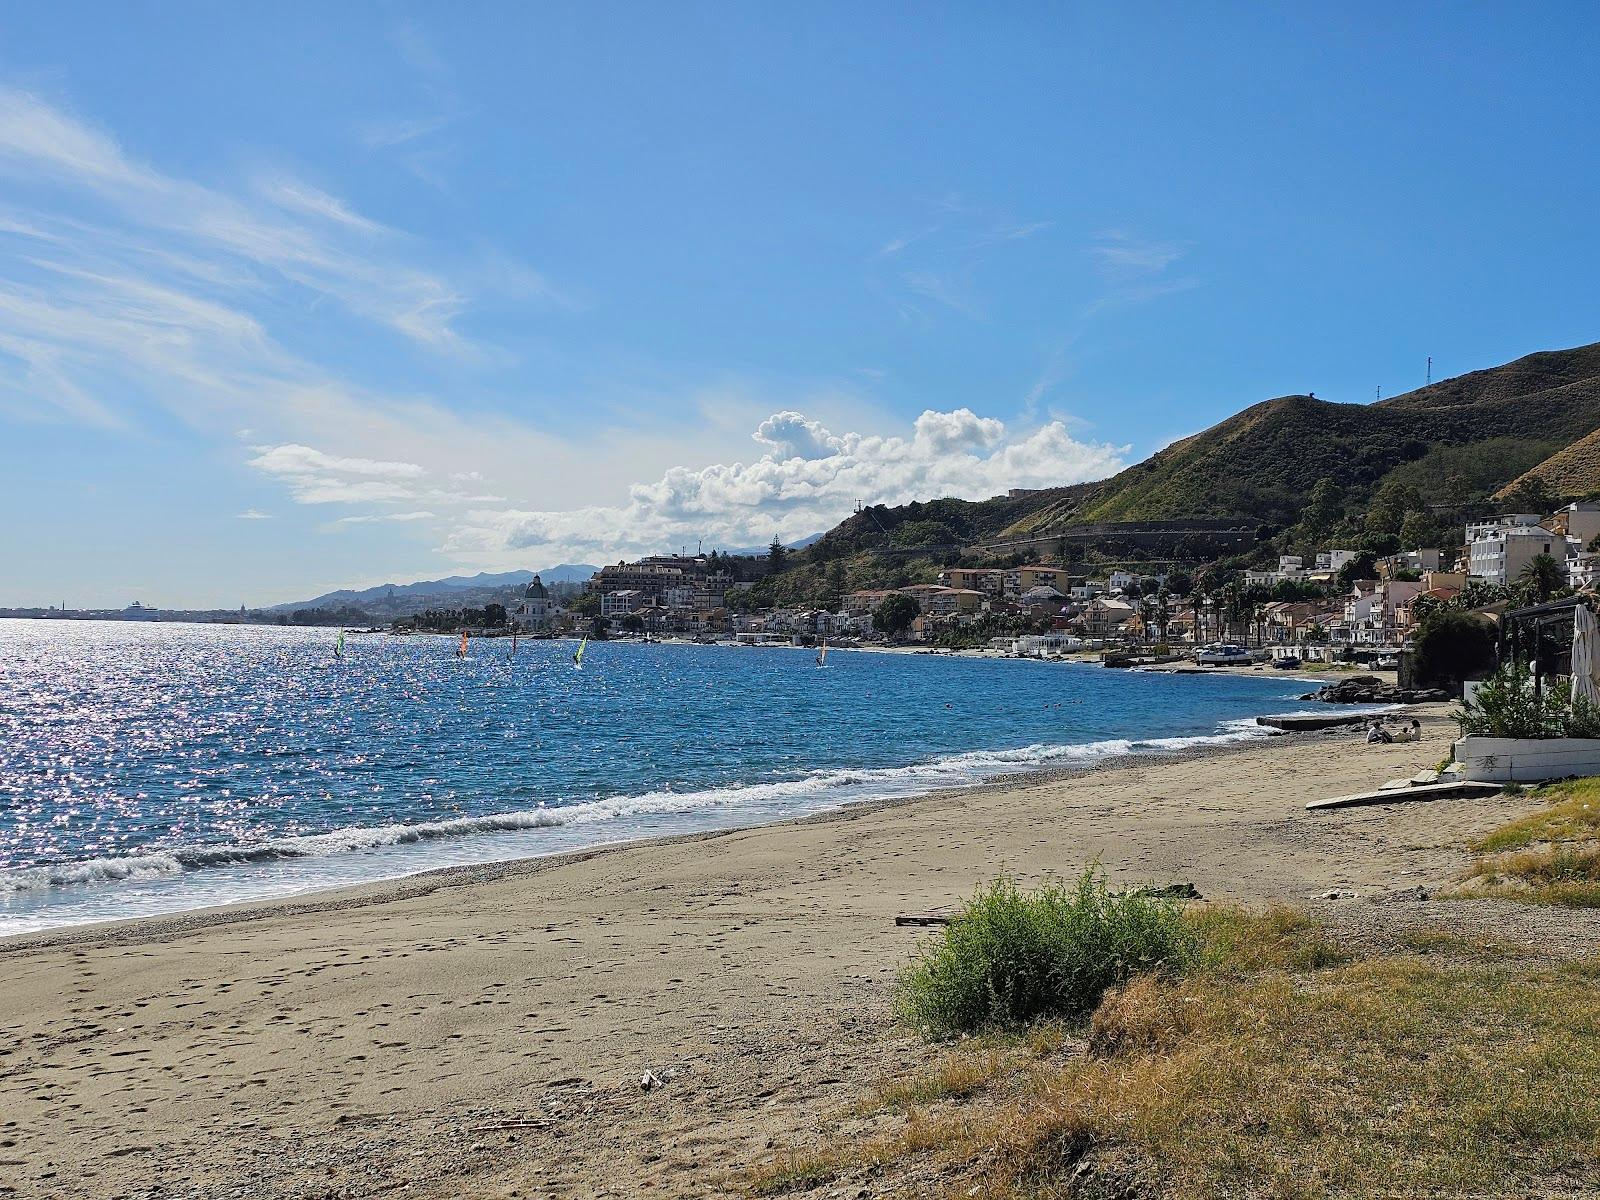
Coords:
pixel 298 296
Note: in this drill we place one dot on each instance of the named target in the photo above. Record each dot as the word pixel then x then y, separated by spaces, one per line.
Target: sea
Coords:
pixel 153 768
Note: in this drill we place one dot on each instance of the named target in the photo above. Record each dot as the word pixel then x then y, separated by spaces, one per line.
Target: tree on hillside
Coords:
pixel 833 587
pixel 1420 531
pixel 1323 509
pixel 1387 512
pixel 895 614
pixel 1362 566
pixel 1532 495
pixel 1543 575
pixel 777 554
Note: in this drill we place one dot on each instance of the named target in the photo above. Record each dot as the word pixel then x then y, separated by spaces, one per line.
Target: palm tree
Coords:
pixel 1544 575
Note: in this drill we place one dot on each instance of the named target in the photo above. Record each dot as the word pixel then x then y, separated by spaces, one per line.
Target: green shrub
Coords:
pixel 1507 707
pixel 1013 955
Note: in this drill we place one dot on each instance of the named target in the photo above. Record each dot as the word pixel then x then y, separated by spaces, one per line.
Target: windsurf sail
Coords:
pixel 822 654
pixel 513 644
pixel 577 655
pixel 461 650
pixel 338 646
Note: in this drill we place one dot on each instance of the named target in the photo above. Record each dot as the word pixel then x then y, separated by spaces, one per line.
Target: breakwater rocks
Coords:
pixel 1369 689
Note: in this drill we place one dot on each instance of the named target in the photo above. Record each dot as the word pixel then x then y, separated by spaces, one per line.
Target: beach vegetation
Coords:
pixel 1279 1064
pixel 1551 856
pixel 1509 705
pixel 1012 955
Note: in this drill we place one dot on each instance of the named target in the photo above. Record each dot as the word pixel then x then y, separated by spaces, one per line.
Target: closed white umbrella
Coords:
pixel 1585 655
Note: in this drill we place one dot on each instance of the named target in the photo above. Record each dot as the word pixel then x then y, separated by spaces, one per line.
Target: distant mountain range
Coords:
pixel 454 590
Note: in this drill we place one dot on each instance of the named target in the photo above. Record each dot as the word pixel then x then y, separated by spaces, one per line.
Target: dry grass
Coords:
pixel 1573 815
pixel 1257 1075
pixel 1548 857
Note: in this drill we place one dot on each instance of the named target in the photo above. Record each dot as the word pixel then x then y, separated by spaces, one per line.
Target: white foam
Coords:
pixel 764 801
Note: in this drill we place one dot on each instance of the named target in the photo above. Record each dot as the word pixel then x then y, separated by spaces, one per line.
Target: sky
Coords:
pixel 303 296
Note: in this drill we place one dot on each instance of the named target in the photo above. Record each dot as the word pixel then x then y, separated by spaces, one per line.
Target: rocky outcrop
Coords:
pixel 1369 689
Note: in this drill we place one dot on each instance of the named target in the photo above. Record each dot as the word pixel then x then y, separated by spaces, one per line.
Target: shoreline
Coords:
pixel 429 880
pixel 484 1030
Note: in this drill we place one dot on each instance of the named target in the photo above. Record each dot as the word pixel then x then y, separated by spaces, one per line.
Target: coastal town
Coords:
pixel 1332 605
pixel 1321 607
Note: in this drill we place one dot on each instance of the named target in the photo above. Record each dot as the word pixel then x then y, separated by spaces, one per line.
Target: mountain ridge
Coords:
pixel 482 581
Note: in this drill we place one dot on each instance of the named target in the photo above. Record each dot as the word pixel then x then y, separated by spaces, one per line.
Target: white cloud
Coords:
pixel 1122 254
pixel 254 514
pixel 373 518
pixel 807 479
pixel 289 233
pixel 292 460
pixel 313 477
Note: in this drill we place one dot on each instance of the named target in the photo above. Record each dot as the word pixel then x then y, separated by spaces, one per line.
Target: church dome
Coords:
pixel 534 591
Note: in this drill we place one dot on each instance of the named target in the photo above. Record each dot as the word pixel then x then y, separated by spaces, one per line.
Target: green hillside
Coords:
pixel 1472 434
pixel 1431 455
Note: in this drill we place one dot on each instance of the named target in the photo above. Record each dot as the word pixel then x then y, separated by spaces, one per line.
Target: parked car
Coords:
pixel 1286 662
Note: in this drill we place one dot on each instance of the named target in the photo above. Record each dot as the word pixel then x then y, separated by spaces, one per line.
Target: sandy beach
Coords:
pixel 485 1031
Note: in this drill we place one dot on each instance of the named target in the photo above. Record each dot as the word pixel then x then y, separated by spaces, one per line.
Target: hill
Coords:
pixel 390 599
pixel 1572 473
pixel 1448 448
pixel 1458 438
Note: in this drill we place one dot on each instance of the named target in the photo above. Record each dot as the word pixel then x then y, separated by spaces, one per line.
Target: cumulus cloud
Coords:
pixel 807 479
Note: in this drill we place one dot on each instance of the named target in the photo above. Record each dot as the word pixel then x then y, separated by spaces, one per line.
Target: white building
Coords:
pixel 616 604
pixel 1333 560
pixel 534 611
pixel 1579 520
pixel 1498 549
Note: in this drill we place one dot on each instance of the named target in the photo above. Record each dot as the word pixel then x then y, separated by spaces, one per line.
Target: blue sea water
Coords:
pixel 150 768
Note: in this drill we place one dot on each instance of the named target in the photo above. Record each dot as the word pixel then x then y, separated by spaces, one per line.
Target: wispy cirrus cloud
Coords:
pixel 414 140
pixel 375 518
pixel 89 195
pixel 1119 253
pixel 939 261
pixel 1136 270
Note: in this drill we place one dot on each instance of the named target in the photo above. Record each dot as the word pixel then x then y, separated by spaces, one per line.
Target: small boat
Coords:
pixel 1222 654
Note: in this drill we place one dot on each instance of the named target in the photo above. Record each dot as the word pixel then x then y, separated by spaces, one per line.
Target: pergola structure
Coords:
pixel 1541 635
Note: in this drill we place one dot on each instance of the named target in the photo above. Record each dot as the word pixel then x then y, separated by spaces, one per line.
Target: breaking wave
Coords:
pixel 774 800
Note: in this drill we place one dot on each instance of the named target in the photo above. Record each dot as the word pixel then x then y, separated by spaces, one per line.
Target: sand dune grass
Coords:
pixel 1548 857
pixel 1280 1066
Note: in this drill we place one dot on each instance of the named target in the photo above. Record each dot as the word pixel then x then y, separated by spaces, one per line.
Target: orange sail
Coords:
pixel 461 650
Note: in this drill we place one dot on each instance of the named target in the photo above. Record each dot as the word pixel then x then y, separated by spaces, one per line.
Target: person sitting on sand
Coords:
pixel 1410 733
pixel 1378 734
